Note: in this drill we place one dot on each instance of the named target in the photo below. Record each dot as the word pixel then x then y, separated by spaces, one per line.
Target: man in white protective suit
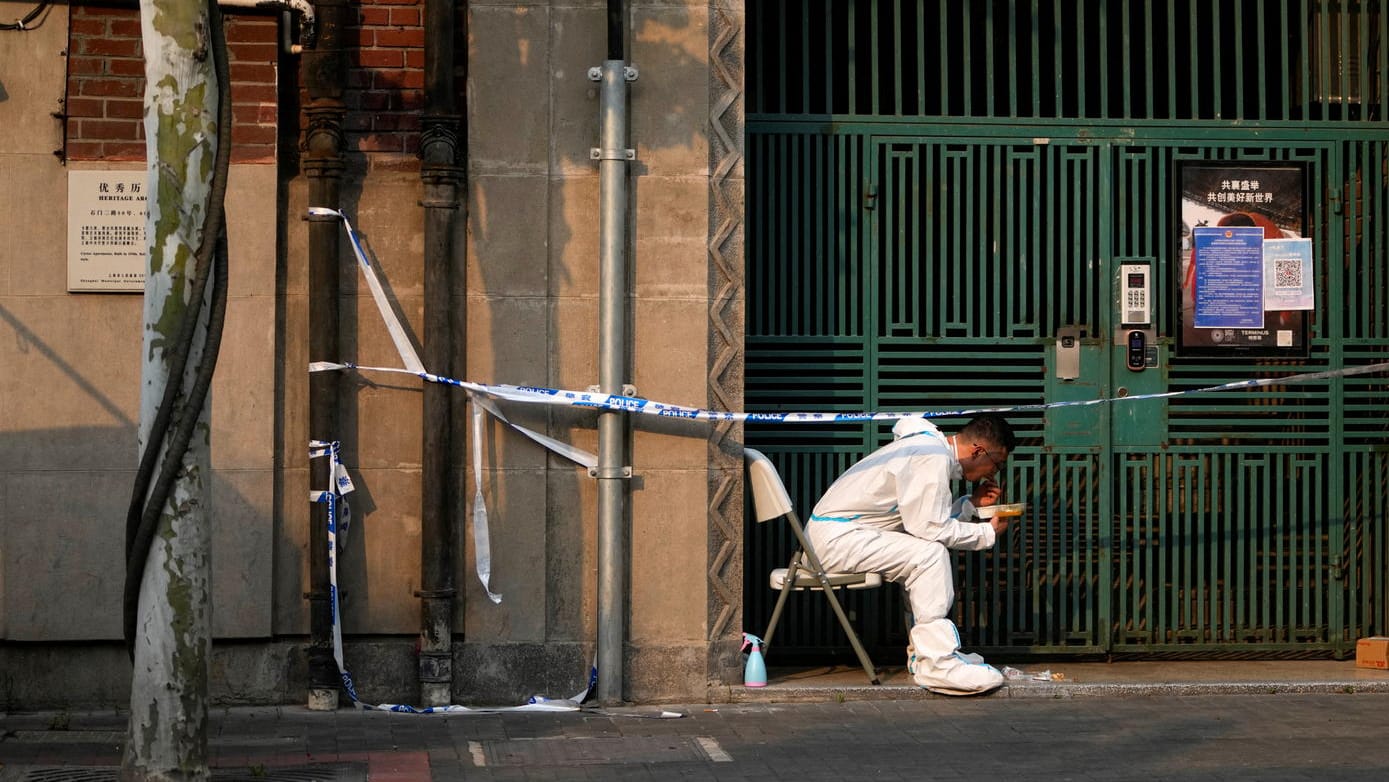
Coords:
pixel 892 513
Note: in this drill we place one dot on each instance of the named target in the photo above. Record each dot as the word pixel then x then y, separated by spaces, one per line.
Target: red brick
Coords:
pixel 414 58
pixel 378 17
pixel 85 26
pixel 410 100
pixel 250 30
pixel 253 134
pixel 113 88
pixel 254 52
pixel 400 38
pixel 110 12
pixel 84 150
pixel 120 67
pixel 124 109
pixel 380 142
pixel 126 28
pixel 107 129
pixel 380 58
pixel 245 113
pixel 395 162
pixel 268 115
pixel 356 122
pixel 372 101
pixel 412 80
pixel 126 150
pixel 252 73
pixel 254 93
pixel 86 66
pixel 114 47
pixel 405 17
pixel 87 107
pixel 253 154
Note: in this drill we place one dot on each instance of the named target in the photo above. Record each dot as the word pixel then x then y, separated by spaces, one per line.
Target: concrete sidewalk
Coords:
pixel 1292 720
pixel 1063 679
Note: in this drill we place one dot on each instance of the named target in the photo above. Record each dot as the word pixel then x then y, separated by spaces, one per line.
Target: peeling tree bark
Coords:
pixel 168 704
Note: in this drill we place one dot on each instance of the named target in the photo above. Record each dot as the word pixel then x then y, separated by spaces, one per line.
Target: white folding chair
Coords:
pixel 804 573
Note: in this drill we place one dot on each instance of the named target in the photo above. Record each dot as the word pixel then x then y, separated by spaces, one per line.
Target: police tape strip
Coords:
pixel 336 498
pixel 638 405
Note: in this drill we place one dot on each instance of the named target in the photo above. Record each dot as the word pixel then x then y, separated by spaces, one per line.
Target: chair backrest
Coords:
pixel 769 497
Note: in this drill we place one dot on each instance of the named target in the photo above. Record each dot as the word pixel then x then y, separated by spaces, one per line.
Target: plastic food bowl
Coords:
pixel 1009 511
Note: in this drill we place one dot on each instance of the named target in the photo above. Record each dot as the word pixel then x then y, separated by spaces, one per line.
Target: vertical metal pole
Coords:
pixel 324 69
pixel 438 506
pixel 612 364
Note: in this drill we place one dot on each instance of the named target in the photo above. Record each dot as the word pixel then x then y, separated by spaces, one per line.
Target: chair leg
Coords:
pixel 781 601
pixel 843 619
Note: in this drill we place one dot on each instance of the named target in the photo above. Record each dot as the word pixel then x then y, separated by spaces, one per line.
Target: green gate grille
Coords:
pixel 915 244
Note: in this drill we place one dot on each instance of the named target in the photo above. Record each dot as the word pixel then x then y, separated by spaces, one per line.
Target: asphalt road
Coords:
pixel 1226 737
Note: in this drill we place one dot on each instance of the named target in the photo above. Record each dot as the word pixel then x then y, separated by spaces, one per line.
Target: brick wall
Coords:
pixel 106 85
pixel 385 79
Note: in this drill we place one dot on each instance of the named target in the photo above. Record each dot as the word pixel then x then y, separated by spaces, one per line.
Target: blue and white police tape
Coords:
pixel 637 405
pixel 335 498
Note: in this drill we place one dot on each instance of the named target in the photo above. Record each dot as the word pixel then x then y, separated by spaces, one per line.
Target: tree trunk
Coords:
pixel 168 703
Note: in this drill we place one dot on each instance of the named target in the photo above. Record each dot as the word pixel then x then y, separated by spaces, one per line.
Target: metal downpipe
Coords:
pixel 613 470
pixel 324 76
pixel 440 174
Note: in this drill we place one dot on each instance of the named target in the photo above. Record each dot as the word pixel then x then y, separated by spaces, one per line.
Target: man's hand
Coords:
pixel 1000 526
pixel 986 493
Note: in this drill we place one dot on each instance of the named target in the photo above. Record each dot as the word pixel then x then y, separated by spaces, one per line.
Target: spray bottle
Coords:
pixel 755 672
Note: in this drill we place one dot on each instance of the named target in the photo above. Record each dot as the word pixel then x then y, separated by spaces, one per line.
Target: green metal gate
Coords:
pixel 925 253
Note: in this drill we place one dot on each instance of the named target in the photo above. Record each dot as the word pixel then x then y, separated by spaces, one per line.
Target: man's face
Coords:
pixel 984 461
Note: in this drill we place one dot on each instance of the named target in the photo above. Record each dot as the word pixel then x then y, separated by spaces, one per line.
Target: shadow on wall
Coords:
pixel 667 111
pixel 63 504
pixel 62 538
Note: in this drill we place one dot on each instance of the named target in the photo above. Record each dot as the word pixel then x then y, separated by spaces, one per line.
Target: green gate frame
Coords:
pixel 1026 146
pixel 1131 547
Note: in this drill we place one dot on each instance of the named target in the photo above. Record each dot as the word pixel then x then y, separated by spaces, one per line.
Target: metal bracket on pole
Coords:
pixel 629 73
pixel 594 153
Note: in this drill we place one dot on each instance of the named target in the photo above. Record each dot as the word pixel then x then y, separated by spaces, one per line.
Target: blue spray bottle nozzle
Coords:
pixel 755 672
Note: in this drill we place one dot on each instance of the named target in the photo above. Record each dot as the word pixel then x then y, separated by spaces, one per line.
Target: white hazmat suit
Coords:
pixel 891 513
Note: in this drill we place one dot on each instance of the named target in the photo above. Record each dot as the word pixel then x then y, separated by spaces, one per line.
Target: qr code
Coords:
pixel 1287 273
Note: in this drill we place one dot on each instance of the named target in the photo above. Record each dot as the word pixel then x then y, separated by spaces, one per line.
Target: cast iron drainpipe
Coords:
pixel 612 471
pixel 324 75
pixel 440 174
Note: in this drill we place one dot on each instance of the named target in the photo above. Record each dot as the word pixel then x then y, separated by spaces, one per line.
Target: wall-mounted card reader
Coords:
pixel 1136 350
pixel 1135 294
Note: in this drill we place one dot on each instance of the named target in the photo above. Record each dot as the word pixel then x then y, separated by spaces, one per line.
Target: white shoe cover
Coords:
pixel 937 664
pixel 963 679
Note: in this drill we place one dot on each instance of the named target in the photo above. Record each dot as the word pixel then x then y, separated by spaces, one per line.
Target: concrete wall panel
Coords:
pixel 668 557
pixel 517 530
pixel 508 236
pixel 508 87
pixel 670 100
pixel 33 214
pixel 671 257
pixel 242 553
pixel 379 570
pixel 64 560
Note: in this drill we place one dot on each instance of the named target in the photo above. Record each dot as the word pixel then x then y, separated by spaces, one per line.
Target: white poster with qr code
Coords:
pixel 1288 274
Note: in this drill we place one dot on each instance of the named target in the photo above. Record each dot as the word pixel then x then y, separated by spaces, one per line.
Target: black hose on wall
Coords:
pixel 146 504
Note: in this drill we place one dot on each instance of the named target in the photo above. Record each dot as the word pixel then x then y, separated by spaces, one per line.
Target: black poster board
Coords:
pixel 1242 200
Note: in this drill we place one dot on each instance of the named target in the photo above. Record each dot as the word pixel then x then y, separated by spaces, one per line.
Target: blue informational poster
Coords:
pixel 1229 277
pixel 1224 302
